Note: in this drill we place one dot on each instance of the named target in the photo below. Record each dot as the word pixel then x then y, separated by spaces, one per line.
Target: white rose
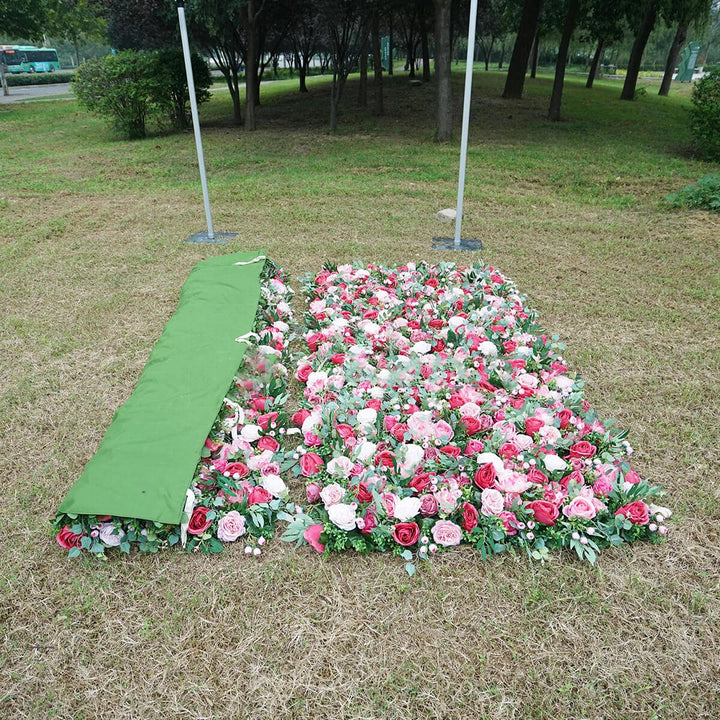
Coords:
pixel 470 409
pixel 274 485
pixel 487 348
pixel 342 515
pixel 455 322
pixel 407 508
pixel 367 416
pixel 340 466
pixel 251 433
pixel 365 450
pixel 332 494
pixel 421 348
pixel 553 463
pixel 107 537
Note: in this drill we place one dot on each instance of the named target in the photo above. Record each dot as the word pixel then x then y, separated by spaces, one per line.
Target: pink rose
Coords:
pixel 312 492
pixel 388 501
pixel 492 502
pixel 312 536
pixel 509 522
pixel 581 507
pixel 428 505
pixel 231 526
pixel 446 533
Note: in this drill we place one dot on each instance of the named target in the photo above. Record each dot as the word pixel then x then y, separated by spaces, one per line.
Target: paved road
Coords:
pixel 25 93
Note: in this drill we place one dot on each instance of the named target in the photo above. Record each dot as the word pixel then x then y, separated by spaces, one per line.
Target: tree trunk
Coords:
pixel 535 54
pixel 556 98
pixel 596 62
pixel 672 57
pixel 443 132
pixel 392 46
pixel 3 81
pixel 638 48
pixel 362 87
pixel 502 56
pixel 76 45
pixel 515 80
pixel 335 93
pixel 378 108
pixel 425 44
pixel 302 71
pixel 251 67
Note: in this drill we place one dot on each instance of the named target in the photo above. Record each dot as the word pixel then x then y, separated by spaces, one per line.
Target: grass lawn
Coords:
pixel 92 260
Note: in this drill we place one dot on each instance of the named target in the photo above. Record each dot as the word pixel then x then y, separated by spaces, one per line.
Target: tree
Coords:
pixel 75 21
pixel 515 80
pixel 216 26
pixel 682 12
pixel 141 24
pixel 571 18
pixel 304 36
pixel 21 18
pixel 648 13
pixel 346 27
pixel 604 25
pixel 443 52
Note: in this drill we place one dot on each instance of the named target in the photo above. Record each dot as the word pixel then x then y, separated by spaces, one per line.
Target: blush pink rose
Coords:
pixel 446 533
pixel 231 526
pixel 581 507
pixel 428 505
pixel 492 502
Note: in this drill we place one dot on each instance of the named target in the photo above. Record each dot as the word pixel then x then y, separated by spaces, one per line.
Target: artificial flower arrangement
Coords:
pixel 237 491
pixel 437 412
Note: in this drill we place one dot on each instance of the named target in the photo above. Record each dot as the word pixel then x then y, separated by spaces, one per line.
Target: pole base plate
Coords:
pixel 203 237
pixel 441 243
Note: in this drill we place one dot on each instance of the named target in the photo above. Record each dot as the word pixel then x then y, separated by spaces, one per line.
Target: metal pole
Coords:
pixel 195 119
pixel 466 121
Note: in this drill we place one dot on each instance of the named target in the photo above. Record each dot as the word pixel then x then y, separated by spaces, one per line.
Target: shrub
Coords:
pixel 39 78
pixel 704 195
pixel 131 87
pixel 705 116
pixel 173 96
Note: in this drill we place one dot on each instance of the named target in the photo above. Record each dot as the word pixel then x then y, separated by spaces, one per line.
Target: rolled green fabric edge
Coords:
pixel 147 459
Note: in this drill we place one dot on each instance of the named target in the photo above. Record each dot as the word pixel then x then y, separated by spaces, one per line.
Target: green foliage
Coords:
pixel 705 116
pixel 703 195
pixel 39 78
pixel 130 87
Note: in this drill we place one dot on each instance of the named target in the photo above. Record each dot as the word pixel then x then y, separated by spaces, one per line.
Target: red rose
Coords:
pixel 314 340
pixel 471 425
pixel 259 403
pixel 104 518
pixel 451 450
pixel 303 372
pixel 636 512
pixel 473 447
pixel 630 477
pixel 199 522
pixel 386 458
pixel 469 517
pixel 237 468
pixel 575 476
pixel 546 513
pixel 300 416
pixel 419 482
pixel 485 476
pixel 537 476
pixel 369 522
pixel 406 533
pixel 375 404
pixel 362 493
pixel 268 443
pixel 312 535
pixel 338 359
pixel 564 416
pixel 310 464
pixel 533 425
pixel 345 431
pixel 264 421
pixel 456 401
pixel 582 449
pixel 68 539
pixel 508 450
pixel 398 431
pixel 258 495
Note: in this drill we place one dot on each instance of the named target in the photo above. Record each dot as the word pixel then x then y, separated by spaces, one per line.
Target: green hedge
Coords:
pixel 38 78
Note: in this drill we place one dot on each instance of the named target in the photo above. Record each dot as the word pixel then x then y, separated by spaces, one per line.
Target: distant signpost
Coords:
pixel 687 62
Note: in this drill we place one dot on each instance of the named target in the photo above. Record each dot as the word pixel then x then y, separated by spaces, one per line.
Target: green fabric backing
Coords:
pixel 147 459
